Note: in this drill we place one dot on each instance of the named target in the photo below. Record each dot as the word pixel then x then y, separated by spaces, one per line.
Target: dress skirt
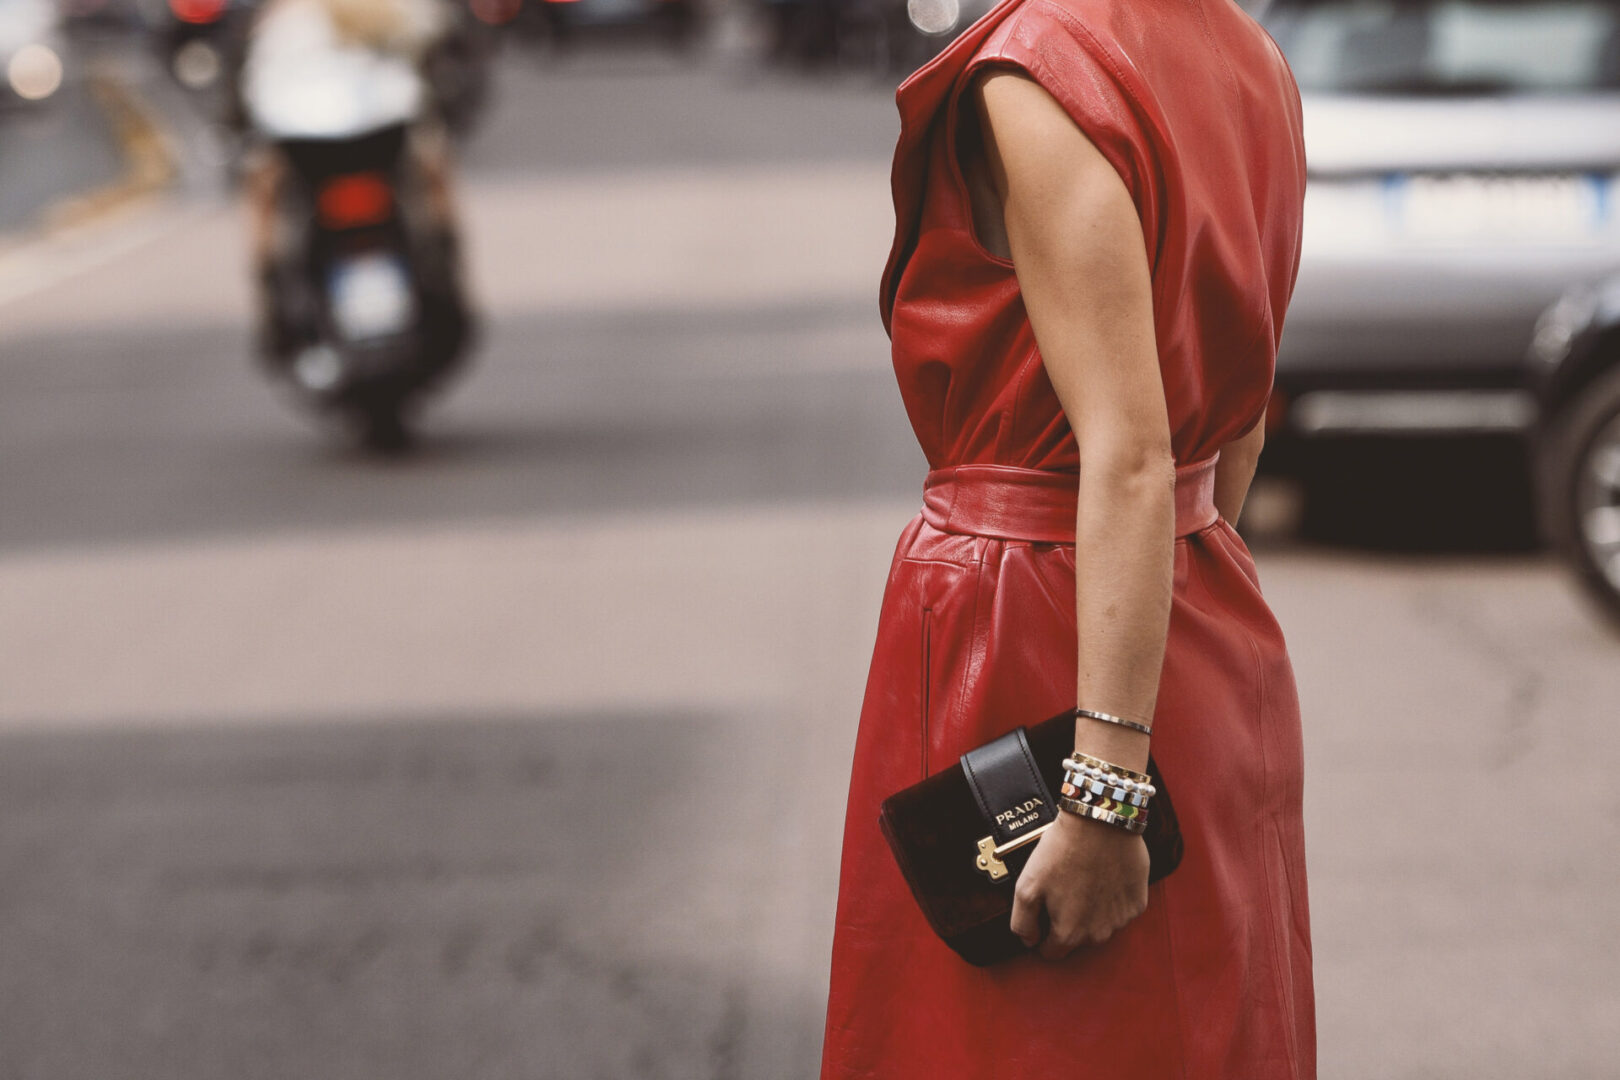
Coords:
pixel 977 636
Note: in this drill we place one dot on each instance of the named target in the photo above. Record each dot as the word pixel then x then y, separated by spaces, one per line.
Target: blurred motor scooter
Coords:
pixel 362 309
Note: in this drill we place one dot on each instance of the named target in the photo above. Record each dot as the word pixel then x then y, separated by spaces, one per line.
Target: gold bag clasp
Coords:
pixel 988 861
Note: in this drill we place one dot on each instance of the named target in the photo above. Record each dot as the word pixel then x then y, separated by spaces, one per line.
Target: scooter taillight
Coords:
pixel 354 201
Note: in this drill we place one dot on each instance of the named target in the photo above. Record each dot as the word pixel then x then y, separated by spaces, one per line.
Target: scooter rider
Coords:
pixel 321 74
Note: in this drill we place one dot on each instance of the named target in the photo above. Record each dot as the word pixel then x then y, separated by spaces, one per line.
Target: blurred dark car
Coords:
pixel 675 21
pixel 197 39
pixel 1575 368
pixel 889 37
pixel 1463 159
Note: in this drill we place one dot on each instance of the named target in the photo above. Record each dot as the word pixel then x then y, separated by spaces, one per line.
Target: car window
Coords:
pixel 1450 47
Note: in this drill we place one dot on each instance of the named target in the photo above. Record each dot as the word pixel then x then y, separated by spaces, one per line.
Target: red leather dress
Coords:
pixel 1194 105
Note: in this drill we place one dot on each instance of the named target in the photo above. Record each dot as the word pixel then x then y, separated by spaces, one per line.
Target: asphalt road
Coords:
pixel 524 756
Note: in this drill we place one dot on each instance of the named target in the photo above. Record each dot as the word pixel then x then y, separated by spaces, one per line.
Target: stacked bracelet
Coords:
pixel 1087 762
pixel 1105 792
pixel 1135 826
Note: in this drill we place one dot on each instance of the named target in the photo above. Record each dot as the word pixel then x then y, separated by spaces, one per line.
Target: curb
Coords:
pixel 67 234
pixel 148 164
pixel 149 167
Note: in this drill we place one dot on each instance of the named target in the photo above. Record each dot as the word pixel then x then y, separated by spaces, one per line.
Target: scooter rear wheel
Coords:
pixel 382 428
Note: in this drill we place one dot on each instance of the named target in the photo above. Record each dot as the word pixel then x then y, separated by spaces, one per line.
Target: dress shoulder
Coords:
pixel 1081 52
pixel 1074 50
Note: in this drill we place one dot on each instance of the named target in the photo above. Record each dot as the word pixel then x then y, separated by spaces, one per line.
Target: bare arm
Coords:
pixel 1077 246
pixel 1235 471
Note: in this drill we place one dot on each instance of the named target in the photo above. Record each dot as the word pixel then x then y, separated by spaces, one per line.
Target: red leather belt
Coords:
pixel 1009 503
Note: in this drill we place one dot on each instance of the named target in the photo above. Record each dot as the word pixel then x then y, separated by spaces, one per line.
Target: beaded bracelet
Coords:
pixel 1106 766
pixel 1079 772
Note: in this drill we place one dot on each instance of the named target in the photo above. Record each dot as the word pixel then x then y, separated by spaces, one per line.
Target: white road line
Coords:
pixel 35 265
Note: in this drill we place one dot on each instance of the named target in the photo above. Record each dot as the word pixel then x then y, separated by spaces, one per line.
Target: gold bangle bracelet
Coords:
pixel 1110 718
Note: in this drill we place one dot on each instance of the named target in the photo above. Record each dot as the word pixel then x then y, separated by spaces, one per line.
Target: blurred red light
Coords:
pixel 354 201
pixel 197 12
pixel 496 12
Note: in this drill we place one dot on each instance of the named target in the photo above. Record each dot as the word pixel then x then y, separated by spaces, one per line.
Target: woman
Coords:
pixel 1098 221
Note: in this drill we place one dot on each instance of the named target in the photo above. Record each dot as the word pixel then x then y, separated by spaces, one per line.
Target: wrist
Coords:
pixel 1106 792
pixel 1122 739
pixel 1122 746
pixel 1080 827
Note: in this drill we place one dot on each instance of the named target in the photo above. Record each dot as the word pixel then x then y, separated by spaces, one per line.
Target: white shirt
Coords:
pixel 301 81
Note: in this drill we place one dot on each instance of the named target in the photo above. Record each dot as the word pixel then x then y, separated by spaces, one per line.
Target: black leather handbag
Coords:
pixel 962 835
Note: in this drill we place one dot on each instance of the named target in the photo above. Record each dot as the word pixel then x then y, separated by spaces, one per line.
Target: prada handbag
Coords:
pixel 962 835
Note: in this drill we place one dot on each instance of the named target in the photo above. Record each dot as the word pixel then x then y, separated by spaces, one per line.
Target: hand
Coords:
pixel 1089 878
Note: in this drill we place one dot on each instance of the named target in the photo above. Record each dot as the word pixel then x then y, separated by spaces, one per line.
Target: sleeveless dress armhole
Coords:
pixel 1051 46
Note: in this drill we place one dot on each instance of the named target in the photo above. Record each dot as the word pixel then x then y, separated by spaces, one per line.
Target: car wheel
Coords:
pixel 1580 485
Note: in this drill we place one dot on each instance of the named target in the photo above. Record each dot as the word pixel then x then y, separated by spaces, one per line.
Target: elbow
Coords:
pixel 1144 469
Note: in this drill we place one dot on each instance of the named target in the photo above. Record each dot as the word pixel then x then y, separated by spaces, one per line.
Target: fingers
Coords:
pixel 1063 903
pixel 1067 935
pixel 1026 913
pixel 1056 946
pixel 1063 939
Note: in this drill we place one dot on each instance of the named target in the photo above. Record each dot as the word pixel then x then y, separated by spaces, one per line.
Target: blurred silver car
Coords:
pixel 1464 162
